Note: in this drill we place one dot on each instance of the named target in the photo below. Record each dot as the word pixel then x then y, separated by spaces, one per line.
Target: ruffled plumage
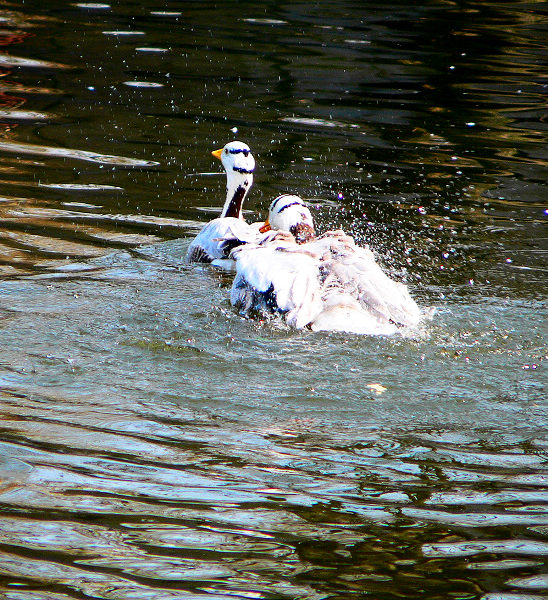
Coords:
pixel 326 283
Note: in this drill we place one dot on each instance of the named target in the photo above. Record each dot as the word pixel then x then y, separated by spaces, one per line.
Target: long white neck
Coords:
pixel 237 187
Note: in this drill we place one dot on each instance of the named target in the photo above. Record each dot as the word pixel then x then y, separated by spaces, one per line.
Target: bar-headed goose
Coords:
pixel 218 237
pixel 324 283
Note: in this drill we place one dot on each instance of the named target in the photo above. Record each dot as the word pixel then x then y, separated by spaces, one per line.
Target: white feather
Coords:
pixel 328 283
pixel 218 237
pixel 272 273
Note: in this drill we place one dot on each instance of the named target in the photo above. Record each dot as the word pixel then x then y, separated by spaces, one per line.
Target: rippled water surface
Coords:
pixel 155 445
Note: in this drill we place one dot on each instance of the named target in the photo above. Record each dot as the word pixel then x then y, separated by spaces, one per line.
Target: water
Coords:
pixel 155 445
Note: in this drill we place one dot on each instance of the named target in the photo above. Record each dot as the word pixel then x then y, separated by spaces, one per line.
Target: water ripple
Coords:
pixel 316 122
pixel 477 519
pixel 92 5
pixel 123 33
pixel 143 84
pixel 106 159
pixel 25 115
pixel 7 60
pixel 473 548
pixel 531 583
pixel 511 596
pixel 88 187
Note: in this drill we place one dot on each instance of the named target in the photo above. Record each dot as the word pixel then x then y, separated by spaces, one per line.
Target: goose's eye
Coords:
pixel 226 150
pixel 246 153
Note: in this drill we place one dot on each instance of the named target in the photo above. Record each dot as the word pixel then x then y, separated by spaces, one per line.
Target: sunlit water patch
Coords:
pixel 24 115
pixel 143 84
pixel 93 5
pixel 165 13
pixel 150 49
pixel 87 187
pixel 123 33
pixel 19 61
pixel 75 154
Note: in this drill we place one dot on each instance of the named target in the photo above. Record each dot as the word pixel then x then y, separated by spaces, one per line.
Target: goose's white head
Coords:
pixel 239 165
pixel 290 213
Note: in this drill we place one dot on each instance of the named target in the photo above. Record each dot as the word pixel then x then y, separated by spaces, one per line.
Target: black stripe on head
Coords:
pixel 281 198
pixel 243 151
pixel 242 170
pixel 290 204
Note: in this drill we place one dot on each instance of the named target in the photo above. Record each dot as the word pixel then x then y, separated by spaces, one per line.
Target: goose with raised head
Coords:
pixel 218 237
pixel 324 283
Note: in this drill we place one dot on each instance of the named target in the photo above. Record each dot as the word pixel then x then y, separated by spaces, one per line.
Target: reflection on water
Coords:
pixel 76 154
pixel 155 445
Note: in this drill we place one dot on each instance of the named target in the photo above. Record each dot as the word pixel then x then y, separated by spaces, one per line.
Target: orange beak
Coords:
pixel 217 153
pixel 266 227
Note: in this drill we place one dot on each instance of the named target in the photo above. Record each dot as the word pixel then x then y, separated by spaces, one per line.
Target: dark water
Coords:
pixel 153 444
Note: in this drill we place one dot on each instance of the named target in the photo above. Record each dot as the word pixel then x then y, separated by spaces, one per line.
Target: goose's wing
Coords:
pixel 342 312
pixel 354 268
pixel 278 277
pixel 217 238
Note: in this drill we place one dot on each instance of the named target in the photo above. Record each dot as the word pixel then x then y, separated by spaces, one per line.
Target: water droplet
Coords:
pixel 421 210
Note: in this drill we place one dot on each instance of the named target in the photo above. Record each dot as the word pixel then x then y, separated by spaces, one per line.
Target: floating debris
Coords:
pixel 377 388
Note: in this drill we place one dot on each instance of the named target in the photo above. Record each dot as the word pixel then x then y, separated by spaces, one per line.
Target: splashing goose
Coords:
pixel 218 237
pixel 326 283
